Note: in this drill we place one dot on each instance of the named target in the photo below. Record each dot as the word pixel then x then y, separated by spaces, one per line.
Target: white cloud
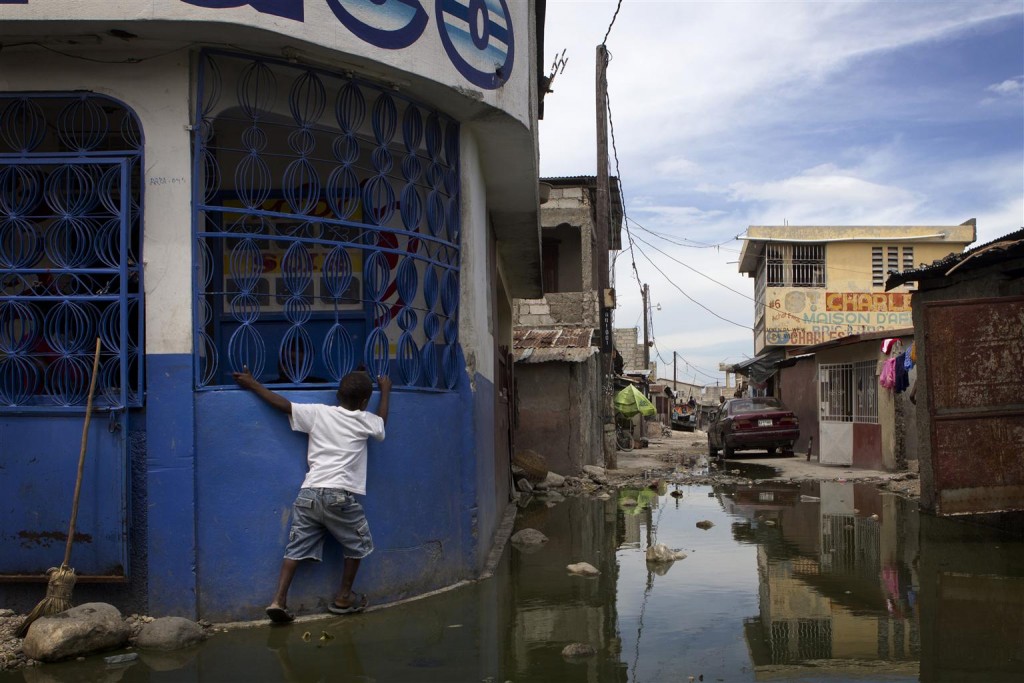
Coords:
pixel 1009 87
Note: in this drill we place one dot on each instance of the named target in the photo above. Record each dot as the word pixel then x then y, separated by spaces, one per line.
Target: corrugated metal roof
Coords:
pixel 562 355
pixel 552 338
pixel 981 255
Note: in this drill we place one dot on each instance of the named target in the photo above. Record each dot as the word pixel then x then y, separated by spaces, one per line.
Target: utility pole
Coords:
pixel 602 227
pixel 647 349
pixel 675 382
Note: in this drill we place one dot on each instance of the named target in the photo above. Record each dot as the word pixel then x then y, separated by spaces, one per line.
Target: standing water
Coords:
pixel 793 582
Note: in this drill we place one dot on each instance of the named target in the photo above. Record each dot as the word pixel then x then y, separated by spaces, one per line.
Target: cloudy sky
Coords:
pixel 728 114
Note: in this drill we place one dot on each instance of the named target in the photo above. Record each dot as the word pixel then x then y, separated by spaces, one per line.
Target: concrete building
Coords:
pixel 814 284
pixel 297 187
pixel 561 395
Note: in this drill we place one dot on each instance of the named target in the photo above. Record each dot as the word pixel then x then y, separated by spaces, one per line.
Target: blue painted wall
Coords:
pixel 421 501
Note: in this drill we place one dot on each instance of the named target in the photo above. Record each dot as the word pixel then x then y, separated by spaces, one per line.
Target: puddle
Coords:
pixel 796 582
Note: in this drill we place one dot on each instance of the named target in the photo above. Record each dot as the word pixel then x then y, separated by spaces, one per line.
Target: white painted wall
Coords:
pixel 320 28
pixel 475 326
pixel 158 91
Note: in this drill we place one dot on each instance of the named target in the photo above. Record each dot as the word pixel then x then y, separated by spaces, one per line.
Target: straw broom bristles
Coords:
pixel 58 597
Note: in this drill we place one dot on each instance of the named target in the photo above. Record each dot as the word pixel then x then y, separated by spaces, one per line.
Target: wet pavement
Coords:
pixel 802 581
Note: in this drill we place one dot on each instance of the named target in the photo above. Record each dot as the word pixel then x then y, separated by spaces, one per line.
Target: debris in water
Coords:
pixel 583 569
pixel 705 524
pixel 306 636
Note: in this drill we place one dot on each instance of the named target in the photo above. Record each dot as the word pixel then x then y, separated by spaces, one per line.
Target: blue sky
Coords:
pixel 729 114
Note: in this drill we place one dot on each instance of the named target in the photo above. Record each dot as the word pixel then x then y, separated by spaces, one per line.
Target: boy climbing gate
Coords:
pixel 326 503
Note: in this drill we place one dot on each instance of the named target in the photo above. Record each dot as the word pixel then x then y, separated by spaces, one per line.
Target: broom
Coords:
pixel 62 578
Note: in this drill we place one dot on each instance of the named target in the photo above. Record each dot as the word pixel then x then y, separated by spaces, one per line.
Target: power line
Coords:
pixel 614 16
pixel 689 267
pixel 669 280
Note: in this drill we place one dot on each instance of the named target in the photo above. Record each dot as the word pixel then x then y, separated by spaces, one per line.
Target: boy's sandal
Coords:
pixel 358 604
pixel 280 615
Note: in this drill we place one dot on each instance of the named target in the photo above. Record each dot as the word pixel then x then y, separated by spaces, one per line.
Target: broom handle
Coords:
pixel 81 456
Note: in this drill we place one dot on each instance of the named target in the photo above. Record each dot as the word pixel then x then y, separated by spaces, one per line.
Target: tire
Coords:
pixel 773 450
pixel 623 441
pixel 712 451
pixel 728 452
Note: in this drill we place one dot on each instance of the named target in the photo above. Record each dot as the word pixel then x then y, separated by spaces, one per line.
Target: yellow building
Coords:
pixel 814 284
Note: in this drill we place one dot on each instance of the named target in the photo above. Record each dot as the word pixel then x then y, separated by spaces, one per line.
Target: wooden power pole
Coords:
pixel 602 227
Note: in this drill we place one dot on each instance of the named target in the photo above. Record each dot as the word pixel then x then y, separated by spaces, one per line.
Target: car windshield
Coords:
pixel 753 405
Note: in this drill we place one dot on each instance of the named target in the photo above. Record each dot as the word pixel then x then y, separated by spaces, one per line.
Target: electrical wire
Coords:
pixel 614 16
pixel 681 291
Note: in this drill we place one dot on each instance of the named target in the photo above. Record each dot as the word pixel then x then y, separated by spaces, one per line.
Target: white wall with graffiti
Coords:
pixel 802 316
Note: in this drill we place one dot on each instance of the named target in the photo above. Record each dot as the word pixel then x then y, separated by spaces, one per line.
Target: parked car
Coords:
pixel 744 424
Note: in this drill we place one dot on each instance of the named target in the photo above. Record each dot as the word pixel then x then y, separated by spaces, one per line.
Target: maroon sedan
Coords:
pixel 744 424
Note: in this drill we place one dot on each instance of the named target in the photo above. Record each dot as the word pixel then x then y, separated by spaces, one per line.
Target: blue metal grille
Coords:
pixel 327 228
pixel 70 247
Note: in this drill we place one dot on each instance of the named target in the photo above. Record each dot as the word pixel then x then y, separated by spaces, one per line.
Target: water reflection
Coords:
pixel 788 582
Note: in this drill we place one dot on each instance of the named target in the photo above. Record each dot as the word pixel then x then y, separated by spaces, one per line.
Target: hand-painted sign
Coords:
pixel 895 302
pixel 803 316
pixel 477 35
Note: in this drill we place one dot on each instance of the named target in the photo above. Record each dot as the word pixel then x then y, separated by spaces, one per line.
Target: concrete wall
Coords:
pixel 214 472
pixel 570 309
pixel 798 390
pixel 571 206
pixel 559 413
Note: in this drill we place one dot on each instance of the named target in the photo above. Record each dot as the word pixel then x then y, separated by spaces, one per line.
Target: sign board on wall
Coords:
pixel 454 42
pixel 805 316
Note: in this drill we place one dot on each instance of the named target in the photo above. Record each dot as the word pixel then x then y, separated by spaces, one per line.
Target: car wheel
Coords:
pixel 712 451
pixel 773 450
pixel 728 452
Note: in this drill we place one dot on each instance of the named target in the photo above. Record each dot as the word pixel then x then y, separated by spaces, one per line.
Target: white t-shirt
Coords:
pixel 337 444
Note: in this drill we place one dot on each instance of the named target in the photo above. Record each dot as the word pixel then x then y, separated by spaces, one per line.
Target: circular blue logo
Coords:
pixel 479 39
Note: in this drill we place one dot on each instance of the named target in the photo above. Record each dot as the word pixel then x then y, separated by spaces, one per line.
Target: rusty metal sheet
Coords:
pixel 975 375
pixel 561 338
pixel 975 353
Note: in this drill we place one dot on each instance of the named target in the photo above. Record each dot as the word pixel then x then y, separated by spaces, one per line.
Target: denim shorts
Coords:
pixel 317 512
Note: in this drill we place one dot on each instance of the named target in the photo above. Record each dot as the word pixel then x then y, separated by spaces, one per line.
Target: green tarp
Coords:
pixel 630 402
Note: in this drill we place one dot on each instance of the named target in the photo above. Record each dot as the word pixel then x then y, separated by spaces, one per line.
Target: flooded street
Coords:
pixel 797 582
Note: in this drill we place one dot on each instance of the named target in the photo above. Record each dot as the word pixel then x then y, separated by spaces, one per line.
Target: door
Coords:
pixel 70 254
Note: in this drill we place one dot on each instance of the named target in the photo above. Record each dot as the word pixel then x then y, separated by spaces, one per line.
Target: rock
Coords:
pixel 86 629
pixel 676 494
pixel 554 497
pixel 169 633
pixel 594 472
pixel 524 485
pixel 628 502
pixel 705 524
pixel 603 496
pixel 769 522
pixel 121 659
pixel 554 480
pixel 578 650
pixel 533 463
pixel 4 613
pixel 662 553
pixel 528 537
pixel 583 569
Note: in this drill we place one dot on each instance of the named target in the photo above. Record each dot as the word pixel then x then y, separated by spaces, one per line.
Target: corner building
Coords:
pixel 298 186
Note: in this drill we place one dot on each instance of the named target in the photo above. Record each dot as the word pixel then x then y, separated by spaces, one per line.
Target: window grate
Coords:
pixel 795 265
pixel 327 228
pixel 849 392
pixel 70 249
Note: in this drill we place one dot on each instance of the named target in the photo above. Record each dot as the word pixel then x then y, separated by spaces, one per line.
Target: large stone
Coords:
pixel 169 633
pixel 554 480
pixel 86 629
pixel 528 537
pixel 594 472
pixel 578 650
pixel 660 552
pixel 583 569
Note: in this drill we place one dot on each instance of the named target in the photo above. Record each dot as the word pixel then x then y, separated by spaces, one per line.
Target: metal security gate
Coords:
pixel 70 248
pixel 974 349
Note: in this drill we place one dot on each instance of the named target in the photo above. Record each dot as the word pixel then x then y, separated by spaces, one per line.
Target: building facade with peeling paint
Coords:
pixel 297 186
pixel 815 284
